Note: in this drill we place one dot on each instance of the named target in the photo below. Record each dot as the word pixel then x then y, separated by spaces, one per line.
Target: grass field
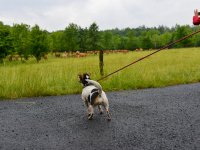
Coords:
pixel 58 76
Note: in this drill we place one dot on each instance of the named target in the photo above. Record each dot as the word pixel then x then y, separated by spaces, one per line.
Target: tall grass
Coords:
pixel 58 76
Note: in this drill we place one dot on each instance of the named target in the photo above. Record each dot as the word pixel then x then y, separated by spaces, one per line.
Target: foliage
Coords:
pixel 22 40
pixel 181 32
pixel 56 41
pixel 107 40
pixel 93 37
pixel 20 34
pixel 83 36
pixel 38 42
pixel 71 37
pixel 5 42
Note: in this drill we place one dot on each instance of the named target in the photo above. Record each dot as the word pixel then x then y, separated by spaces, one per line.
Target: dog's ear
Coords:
pixel 86 76
pixel 80 76
pixel 89 74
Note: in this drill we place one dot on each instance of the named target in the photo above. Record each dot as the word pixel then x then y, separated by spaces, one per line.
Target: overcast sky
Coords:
pixel 55 15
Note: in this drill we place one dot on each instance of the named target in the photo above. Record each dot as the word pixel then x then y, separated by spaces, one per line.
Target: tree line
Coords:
pixel 26 41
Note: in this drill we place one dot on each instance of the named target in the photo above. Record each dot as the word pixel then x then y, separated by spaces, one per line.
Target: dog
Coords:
pixel 93 95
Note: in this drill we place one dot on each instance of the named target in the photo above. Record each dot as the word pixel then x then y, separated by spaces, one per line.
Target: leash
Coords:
pixel 164 47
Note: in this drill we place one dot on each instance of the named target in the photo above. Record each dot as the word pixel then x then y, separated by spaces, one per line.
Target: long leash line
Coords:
pixel 164 47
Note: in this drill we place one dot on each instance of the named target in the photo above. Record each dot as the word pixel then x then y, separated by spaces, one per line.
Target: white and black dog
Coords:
pixel 93 95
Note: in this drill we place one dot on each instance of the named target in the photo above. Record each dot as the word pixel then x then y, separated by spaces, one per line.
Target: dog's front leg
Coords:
pixel 100 110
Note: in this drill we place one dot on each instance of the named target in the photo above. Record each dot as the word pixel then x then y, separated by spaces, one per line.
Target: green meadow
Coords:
pixel 59 76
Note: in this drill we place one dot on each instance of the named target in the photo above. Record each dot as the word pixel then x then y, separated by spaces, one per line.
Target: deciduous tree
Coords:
pixel 6 46
pixel 38 42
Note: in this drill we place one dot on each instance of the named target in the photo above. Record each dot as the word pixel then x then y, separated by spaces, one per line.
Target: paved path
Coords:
pixel 161 118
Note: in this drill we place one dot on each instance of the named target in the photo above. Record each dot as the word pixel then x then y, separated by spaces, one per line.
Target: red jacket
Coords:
pixel 196 20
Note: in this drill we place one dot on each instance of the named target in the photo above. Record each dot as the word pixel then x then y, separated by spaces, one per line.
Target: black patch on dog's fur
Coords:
pixel 83 79
pixel 94 90
pixel 93 95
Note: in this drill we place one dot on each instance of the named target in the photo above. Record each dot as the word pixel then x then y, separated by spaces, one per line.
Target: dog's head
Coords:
pixel 83 77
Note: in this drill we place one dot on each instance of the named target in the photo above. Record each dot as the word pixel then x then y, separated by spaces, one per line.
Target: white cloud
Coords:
pixel 55 15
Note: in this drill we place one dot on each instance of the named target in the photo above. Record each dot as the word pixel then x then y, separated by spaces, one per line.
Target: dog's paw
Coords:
pixel 90 116
pixel 109 119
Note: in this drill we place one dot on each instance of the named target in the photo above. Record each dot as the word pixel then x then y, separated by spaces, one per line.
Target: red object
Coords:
pixel 196 20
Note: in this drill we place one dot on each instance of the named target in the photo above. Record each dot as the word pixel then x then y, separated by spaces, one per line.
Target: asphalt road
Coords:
pixel 160 118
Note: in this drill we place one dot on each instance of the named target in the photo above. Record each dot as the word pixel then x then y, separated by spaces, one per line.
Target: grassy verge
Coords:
pixel 59 76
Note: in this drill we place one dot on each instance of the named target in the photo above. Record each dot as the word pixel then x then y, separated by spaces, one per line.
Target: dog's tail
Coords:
pixel 96 84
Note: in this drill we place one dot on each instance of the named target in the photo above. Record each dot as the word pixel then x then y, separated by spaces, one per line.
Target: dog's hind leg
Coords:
pixel 108 114
pixel 86 103
pixel 106 106
pixel 100 110
pixel 90 112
